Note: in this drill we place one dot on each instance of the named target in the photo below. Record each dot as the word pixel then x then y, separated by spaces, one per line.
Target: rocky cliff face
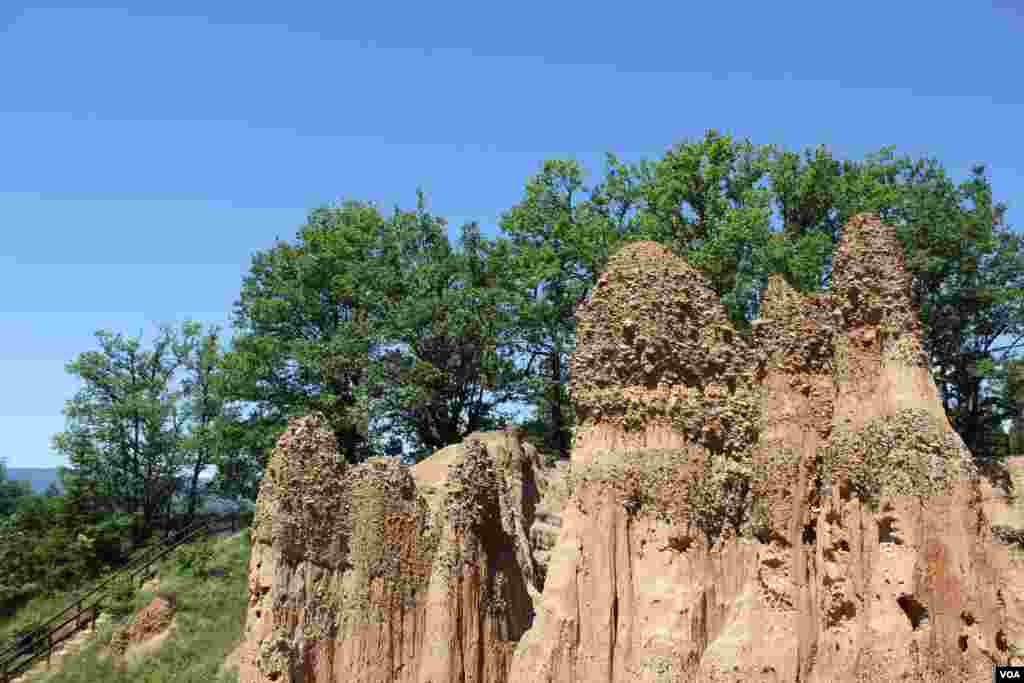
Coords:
pixel 381 572
pixel 788 505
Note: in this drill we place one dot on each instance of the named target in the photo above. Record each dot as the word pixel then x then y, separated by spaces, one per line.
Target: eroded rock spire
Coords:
pixel 785 505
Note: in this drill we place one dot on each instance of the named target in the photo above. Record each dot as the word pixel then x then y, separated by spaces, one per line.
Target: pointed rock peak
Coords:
pixel 655 352
pixel 778 297
pixel 306 436
pixel 797 325
pixel 641 250
pixel 305 460
pixel 870 284
pixel 648 308
pixel 306 454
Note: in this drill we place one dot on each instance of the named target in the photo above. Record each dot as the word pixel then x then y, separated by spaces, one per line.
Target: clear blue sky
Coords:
pixel 146 150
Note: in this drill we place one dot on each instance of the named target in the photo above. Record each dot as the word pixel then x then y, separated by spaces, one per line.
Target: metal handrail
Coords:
pixel 139 558
pixel 36 648
pixel 42 643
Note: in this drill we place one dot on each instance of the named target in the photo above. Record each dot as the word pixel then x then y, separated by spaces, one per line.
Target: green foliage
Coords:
pixel 805 192
pixel 210 619
pixel 216 431
pixel 194 558
pixel 302 340
pixel 121 598
pixel 446 370
pixel 1012 397
pixel 54 543
pixel 147 422
pixel 559 238
pixel 705 199
pixel 378 324
pixel 11 492
pixel 122 425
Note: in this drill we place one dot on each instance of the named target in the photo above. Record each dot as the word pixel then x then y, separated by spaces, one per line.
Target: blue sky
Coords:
pixel 147 149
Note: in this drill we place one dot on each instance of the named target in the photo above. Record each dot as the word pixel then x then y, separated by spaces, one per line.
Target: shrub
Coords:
pixel 904 454
pixel 719 498
pixel 194 558
pixel 120 599
pixel 245 519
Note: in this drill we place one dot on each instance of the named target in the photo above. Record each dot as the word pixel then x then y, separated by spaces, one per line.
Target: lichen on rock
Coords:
pixel 904 454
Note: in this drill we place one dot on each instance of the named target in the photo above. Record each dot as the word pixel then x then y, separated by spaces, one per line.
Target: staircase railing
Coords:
pixel 82 610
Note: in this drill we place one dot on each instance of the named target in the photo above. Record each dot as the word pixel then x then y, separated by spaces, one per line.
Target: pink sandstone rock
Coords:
pixel 785 504
pixel 382 572
pixel 846 543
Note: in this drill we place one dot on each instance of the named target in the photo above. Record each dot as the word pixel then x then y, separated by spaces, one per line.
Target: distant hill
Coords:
pixel 38 477
pixel 41 477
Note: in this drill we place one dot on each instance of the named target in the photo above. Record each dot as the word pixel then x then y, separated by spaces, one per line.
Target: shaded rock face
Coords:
pixel 382 572
pixel 789 504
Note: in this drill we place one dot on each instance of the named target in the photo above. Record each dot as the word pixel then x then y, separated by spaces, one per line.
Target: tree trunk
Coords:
pixel 193 491
pixel 557 418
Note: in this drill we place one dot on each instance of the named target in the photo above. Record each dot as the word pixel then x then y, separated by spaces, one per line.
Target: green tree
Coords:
pixel 302 340
pixel 10 491
pixel 55 542
pixel 204 409
pixel 707 201
pixel 123 426
pixel 446 369
pixel 246 436
pixel 1013 396
pixel 806 197
pixel 558 239
pixel 379 324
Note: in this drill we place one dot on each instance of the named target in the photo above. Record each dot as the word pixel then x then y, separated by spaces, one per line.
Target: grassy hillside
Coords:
pixel 208 624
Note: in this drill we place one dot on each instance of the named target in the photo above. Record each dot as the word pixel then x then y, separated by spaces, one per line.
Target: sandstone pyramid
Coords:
pixel 383 572
pixel 789 505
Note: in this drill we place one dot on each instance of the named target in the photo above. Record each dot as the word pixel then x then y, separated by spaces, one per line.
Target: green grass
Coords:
pixel 36 610
pixel 209 623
